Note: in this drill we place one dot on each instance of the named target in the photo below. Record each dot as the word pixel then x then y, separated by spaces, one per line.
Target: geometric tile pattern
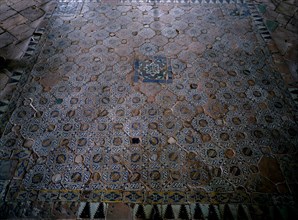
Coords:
pixel 155 69
pixel 223 131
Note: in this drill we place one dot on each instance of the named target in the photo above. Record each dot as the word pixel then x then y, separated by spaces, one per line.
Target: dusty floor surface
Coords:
pixel 150 104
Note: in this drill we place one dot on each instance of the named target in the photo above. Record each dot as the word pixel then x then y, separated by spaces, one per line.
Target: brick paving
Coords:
pixel 110 105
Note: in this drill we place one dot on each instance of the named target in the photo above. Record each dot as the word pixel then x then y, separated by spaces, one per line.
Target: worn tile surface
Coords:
pixel 158 103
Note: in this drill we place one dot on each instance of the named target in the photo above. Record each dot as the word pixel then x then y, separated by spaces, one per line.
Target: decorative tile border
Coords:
pixel 100 210
pixel 259 22
pixel 20 77
pixel 255 10
pixel 149 197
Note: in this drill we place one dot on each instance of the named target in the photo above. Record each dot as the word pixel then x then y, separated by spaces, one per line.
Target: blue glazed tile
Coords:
pixel 150 80
pixel 156 69
pixel 136 77
pixel 161 81
pixel 137 64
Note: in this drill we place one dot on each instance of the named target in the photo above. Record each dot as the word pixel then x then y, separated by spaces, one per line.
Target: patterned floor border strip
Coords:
pixel 101 210
pixel 16 193
pixel 20 77
pixel 259 22
pixel 167 211
pixel 189 211
pixel 265 33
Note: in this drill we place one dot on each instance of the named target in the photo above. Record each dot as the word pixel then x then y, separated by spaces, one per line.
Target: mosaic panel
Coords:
pixel 220 126
pixel 154 69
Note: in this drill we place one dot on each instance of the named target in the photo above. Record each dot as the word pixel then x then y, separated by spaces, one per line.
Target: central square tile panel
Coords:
pixel 153 69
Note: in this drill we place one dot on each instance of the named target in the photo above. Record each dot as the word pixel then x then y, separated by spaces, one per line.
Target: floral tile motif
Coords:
pixel 154 69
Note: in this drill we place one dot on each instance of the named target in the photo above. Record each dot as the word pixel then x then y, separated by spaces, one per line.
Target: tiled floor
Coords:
pixel 150 103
